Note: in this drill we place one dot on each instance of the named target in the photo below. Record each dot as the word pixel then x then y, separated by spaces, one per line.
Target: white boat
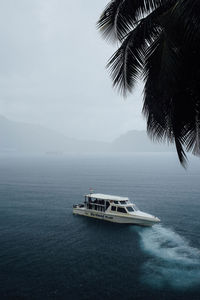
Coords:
pixel 113 209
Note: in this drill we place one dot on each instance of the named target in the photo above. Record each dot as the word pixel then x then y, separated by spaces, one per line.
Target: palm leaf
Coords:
pixel 127 62
pixel 120 16
pixel 187 13
pixel 161 78
pixel 160 41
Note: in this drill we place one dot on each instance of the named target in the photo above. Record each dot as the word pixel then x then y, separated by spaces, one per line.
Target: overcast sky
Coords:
pixel 52 70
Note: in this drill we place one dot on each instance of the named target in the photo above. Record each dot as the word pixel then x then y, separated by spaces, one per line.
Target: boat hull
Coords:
pixel 129 219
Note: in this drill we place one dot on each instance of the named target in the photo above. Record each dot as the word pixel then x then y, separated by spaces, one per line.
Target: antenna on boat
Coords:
pixel 91 191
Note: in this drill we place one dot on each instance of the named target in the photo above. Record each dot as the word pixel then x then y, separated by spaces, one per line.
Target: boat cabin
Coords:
pixel 102 202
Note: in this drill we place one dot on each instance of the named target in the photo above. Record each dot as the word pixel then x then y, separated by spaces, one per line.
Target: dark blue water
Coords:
pixel 47 253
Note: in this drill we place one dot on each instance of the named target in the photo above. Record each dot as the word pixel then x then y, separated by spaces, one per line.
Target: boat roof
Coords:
pixel 106 197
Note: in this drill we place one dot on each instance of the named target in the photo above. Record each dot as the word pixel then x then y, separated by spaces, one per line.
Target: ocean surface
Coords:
pixel 48 253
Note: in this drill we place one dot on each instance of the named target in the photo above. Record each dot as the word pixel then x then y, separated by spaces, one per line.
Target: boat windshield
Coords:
pixel 129 208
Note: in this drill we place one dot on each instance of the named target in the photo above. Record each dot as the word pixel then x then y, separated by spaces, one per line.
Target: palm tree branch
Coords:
pixel 127 62
pixel 121 16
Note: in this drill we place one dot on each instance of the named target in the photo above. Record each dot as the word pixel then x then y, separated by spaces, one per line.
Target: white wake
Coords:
pixel 171 260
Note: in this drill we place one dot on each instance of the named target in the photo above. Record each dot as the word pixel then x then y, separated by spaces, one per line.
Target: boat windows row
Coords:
pixel 122 209
pixel 101 201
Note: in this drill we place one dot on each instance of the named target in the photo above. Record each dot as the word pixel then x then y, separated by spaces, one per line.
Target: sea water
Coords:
pixel 48 253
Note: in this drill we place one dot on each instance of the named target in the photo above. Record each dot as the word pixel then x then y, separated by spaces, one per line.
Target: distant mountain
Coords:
pixel 22 137
pixel 138 141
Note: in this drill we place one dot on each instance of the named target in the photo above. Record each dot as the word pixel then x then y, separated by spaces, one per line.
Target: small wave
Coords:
pixel 172 262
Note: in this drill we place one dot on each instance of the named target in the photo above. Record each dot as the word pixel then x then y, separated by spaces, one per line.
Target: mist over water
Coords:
pixel 172 261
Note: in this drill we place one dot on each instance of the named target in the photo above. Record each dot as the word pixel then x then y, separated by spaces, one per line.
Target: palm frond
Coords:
pixel 187 13
pixel 127 62
pixel 181 153
pixel 120 16
pixel 160 41
pixel 192 128
pixel 161 78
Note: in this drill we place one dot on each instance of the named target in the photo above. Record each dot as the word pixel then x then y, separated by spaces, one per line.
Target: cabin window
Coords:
pixel 122 202
pixel 121 209
pixel 101 202
pixel 113 208
pixel 116 202
pixel 130 208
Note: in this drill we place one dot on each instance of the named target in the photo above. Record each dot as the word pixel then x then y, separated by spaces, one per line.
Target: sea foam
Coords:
pixel 171 260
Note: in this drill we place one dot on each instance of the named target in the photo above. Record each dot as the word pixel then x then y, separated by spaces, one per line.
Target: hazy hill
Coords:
pixel 22 137
pixel 138 141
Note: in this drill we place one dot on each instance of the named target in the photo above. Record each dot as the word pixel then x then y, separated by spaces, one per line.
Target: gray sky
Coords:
pixel 52 70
